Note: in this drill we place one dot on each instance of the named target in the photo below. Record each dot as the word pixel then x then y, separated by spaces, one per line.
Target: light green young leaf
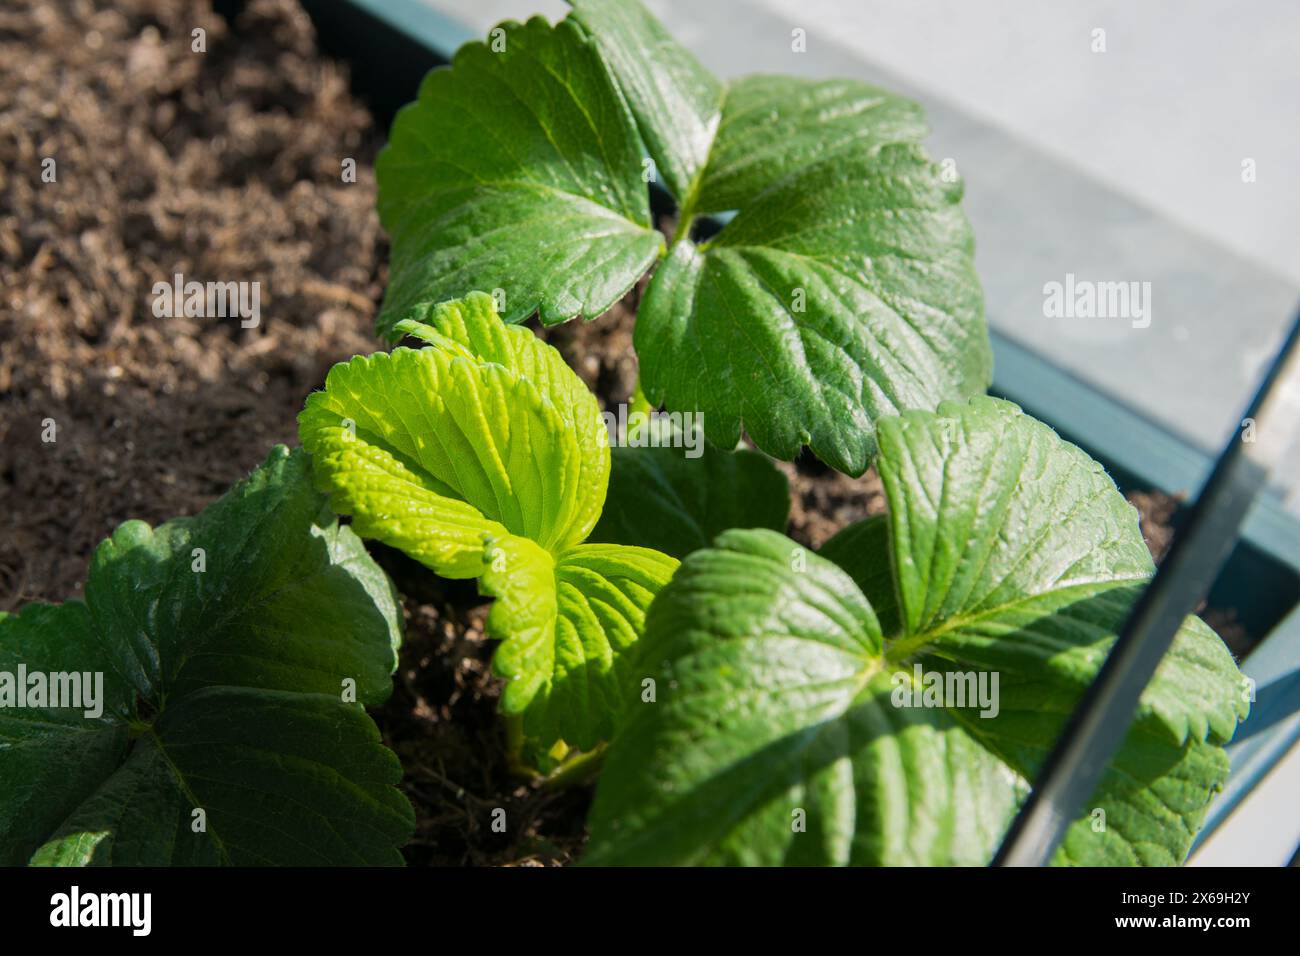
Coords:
pixel 569 623
pixel 518 168
pixel 432 449
pixel 226 643
pixel 1006 551
pixel 484 456
pixel 842 292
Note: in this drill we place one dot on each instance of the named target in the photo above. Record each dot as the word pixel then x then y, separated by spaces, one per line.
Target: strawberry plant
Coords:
pixel 482 455
pixel 235 650
pixel 843 291
pixel 777 736
pixel 754 703
pixel 749 693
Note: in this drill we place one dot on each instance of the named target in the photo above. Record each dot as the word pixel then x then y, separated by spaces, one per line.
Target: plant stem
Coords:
pixel 515 748
pixel 576 770
pixel 683 230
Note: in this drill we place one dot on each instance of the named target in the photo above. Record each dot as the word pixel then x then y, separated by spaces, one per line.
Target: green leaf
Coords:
pixel 518 168
pixel 676 102
pixel 1006 552
pixel 659 498
pixel 569 628
pixel 1014 551
pixel 433 451
pixel 843 294
pixel 484 456
pixel 774 711
pixel 51 759
pixel 862 549
pixel 226 643
pixel 776 125
pixel 1152 798
pixel 272 556
pixel 284 778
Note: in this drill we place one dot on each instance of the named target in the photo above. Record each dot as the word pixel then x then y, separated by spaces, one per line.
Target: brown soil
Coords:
pixel 225 165
pixel 222 166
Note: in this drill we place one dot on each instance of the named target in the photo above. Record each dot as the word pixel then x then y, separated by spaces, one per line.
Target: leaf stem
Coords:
pixel 515 748
pixel 576 770
pixel 683 230
pixel 685 217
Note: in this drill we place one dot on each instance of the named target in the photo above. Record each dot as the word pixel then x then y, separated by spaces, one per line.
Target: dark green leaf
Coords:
pixel 844 294
pixel 773 739
pixel 273 555
pixel 1007 553
pixel 1150 803
pixel 676 101
pixel 658 498
pixel 517 170
pixel 1014 551
pixel 285 779
pixel 862 549
pixel 51 759
pixel 776 125
pixel 227 644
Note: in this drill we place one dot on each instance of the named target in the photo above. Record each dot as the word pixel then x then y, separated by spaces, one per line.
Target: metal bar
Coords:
pixel 1097 727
